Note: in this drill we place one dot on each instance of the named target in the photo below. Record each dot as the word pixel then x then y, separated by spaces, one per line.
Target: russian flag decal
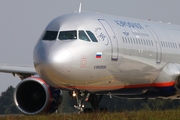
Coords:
pixel 98 54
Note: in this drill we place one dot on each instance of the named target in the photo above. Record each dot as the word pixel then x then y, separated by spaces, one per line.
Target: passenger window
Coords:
pixel 149 42
pixel 50 35
pixel 161 43
pixel 139 41
pixel 68 35
pixel 131 40
pixel 136 41
pixel 128 40
pixel 91 35
pixel 169 45
pixel 166 44
pixel 83 36
pixel 175 45
pixel 142 41
pixel 123 39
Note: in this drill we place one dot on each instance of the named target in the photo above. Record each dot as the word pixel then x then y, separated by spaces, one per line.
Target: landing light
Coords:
pixel 74 94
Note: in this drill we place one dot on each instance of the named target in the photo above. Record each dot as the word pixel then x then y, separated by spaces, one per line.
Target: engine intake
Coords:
pixel 33 96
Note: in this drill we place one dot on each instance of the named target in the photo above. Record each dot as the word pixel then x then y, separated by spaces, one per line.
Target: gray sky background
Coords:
pixel 22 22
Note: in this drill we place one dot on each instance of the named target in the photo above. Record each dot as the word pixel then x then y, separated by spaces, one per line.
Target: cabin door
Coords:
pixel 112 38
pixel 157 43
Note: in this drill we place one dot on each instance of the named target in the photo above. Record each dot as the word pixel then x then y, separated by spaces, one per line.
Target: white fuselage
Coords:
pixel 129 54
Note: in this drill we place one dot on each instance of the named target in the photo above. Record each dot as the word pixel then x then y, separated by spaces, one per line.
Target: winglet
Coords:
pixel 80 8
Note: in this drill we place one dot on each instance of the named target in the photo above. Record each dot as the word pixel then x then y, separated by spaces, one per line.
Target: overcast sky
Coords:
pixel 22 22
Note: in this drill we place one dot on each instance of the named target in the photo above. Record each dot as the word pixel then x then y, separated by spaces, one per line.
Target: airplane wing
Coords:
pixel 20 70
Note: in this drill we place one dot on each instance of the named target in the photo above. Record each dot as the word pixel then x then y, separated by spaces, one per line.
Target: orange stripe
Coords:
pixel 167 84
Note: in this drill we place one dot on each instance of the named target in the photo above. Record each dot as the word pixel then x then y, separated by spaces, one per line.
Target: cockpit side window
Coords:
pixel 68 35
pixel 91 35
pixel 83 36
pixel 50 35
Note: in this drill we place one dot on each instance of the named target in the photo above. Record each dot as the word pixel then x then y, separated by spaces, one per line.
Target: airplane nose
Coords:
pixel 61 60
pixel 50 54
pixel 53 63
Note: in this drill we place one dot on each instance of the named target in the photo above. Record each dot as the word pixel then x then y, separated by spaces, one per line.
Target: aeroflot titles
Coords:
pixel 128 24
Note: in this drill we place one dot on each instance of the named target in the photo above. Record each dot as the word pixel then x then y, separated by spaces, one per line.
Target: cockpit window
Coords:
pixel 50 35
pixel 83 36
pixel 67 35
pixel 91 35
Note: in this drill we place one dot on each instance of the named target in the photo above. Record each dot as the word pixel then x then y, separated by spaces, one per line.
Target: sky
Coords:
pixel 22 22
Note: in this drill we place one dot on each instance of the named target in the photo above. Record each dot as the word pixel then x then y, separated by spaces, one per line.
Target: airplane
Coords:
pixel 91 54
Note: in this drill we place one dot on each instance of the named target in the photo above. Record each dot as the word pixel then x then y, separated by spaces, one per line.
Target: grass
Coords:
pixel 126 115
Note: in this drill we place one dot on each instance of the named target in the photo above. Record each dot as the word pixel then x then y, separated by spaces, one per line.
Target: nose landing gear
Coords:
pixel 81 96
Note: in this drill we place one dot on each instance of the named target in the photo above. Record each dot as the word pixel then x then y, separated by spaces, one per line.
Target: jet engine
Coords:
pixel 34 96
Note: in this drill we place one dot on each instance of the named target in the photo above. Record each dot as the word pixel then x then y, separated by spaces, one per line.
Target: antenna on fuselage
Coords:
pixel 80 8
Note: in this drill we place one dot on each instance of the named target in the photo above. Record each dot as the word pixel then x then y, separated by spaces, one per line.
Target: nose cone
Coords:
pixel 61 60
pixel 53 64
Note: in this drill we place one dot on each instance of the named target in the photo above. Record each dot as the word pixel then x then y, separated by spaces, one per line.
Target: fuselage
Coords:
pixel 100 53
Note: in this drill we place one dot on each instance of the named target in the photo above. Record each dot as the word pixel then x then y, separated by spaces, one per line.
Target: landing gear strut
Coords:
pixel 80 97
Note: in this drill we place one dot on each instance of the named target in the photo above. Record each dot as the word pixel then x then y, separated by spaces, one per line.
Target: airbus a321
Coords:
pixel 93 54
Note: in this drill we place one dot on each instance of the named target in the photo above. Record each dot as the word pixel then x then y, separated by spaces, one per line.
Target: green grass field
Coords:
pixel 133 115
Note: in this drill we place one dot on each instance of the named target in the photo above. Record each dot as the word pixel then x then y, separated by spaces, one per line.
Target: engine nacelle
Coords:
pixel 34 96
